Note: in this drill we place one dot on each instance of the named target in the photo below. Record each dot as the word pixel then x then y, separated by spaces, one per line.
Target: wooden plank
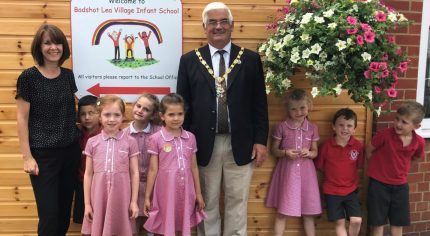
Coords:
pixel 7 112
pixel 11 162
pixel 14 178
pixel 8 77
pixel 25 225
pixel 34 9
pixel 20 61
pixel 8 128
pixel 16 194
pixel 9 145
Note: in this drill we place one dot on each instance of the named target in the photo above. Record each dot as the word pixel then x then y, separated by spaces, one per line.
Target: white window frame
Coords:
pixel 424 131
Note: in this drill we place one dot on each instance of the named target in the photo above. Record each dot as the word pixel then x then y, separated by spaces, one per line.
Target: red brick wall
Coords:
pixel 419 177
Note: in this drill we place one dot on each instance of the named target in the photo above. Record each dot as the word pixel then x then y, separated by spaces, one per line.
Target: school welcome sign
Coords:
pixel 126 47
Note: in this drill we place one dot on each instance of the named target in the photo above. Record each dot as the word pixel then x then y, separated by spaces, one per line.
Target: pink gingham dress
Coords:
pixel 173 206
pixel 111 186
pixel 142 138
pixel 294 187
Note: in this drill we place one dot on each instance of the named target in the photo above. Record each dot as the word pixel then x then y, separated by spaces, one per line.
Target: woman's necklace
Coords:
pixel 220 90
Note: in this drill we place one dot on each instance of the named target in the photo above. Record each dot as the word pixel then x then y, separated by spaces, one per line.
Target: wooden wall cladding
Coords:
pixel 19 21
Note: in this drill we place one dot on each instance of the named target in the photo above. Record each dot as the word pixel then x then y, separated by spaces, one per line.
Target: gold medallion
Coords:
pixel 167 147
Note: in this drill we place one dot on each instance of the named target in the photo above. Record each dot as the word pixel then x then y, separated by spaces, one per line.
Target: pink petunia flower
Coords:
pixel 351 20
pixel 391 39
pixel 395 76
pixel 403 66
pixel 382 66
pixel 384 74
pixel 360 40
pixel 366 27
pixel 399 51
pixel 380 16
pixel 367 74
pixel 392 92
pixel 351 31
pixel 374 66
pixel 384 56
pixel 285 10
pixel 369 36
pixel 377 89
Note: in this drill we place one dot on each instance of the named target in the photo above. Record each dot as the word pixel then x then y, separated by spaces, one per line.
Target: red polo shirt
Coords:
pixel 82 143
pixel 340 166
pixel 390 161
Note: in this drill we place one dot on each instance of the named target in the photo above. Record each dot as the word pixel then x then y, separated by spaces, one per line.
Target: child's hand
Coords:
pixel 200 202
pixel 292 154
pixel 88 212
pixel 146 207
pixel 305 153
pixel 134 210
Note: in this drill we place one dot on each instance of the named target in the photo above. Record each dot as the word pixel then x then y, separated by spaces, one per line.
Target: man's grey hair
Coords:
pixel 215 6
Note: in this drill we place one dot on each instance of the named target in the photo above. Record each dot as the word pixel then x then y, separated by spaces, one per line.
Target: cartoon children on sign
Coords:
pixel 132 58
pixel 115 39
pixel 129 45
pixel 145 38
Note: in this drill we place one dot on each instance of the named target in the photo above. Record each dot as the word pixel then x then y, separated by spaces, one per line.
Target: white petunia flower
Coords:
pixel 328 13
pixel 306 53
pixel 402 17
pixel 287 38
pixel 323 56
pixel 378 111
pixel 262 48
pixel 341 45
pixel 305 37
pixel 319 19
pixel 366 56
pixel 306 18
pixel 315 92
pixel 349 41
pixel 332 26
pixel 316 48
pixel 278 46
pixel 286 83
pixel 370 95
pixel 267 89
pixel 392 17
pixel 309 62
pixel 355 7
pixel 295 57
pixel 338 89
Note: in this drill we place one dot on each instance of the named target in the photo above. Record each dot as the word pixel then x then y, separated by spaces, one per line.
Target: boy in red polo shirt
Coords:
pixel 339 159
pixel 391 152
pixel 88 117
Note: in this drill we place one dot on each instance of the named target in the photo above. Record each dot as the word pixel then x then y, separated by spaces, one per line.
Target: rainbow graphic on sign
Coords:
pixel 106 24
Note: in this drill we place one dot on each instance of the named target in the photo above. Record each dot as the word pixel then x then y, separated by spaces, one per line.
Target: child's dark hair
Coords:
pixel 56 35
pixel 155 118
pixel 171 99
pixel 110 99
pixel 347 114
pixel 412 109
pixel 87 100
pixel 297 95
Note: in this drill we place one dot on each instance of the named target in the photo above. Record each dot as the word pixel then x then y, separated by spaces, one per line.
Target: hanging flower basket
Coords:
pixel 341 44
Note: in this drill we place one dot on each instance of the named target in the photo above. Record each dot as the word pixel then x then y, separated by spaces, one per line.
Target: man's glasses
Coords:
pixel 214 23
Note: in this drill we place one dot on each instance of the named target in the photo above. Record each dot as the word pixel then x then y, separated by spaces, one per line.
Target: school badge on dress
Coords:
pixel 167 147
pixel 353 155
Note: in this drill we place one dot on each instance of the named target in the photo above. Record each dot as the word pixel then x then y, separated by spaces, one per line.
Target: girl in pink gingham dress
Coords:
pixel 146 122
pixel 111 179
pixel 173 178
pixel 294 187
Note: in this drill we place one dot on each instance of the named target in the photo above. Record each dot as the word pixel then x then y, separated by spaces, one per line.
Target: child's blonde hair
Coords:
pixel 110 99
pixel 297 95
pixel 412 109
pixel 155 118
